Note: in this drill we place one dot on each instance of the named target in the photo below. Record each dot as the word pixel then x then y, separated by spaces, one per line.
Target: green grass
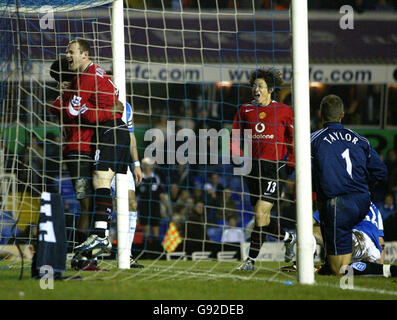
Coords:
pixel 190 280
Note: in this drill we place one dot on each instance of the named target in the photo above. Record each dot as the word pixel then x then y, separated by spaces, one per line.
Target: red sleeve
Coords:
pixel 77 102
pixel 289 138
pixel 58 103
pixel 235 141
pixel 106 96
pixel 93 115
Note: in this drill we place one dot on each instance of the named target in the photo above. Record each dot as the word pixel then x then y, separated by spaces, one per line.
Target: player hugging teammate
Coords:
pixel 87 111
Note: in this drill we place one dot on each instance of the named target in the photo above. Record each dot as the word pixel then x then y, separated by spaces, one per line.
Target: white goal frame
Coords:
pixel 303 174
pixel 118 52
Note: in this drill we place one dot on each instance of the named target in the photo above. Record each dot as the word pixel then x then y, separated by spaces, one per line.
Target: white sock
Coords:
pixel 132 226
pixel 286 236
pixel 386 271
pixel 102 225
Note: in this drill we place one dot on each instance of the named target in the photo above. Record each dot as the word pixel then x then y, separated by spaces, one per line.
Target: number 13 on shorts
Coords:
pixel 271 187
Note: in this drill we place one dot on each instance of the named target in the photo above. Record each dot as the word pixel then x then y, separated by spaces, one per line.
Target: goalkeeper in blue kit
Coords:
pixel 344 165
pixel 368 244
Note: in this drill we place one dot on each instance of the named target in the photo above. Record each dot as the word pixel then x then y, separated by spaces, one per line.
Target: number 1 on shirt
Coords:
pixel 346 156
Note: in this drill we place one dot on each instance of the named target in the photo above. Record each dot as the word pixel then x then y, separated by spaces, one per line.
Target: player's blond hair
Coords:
pixel 84 45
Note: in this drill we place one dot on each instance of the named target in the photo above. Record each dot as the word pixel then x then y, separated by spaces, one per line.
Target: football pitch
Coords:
pixel 189 280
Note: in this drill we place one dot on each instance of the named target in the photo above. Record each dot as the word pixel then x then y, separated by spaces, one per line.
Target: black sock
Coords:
pixel 393 271
pixel 103 205
pixel 373 269
pixel 274 229
pixel 257 239
pixel 81 236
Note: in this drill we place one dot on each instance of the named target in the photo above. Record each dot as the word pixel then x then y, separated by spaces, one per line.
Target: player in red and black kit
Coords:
pixel 91 102
pixel 271 125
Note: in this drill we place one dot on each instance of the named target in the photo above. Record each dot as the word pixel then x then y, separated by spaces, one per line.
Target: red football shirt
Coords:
pixel 89 102
pixel 77 135
pixel 94 96
pixel 271 128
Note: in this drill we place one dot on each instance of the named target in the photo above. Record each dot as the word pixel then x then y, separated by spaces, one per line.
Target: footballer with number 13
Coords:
pixel 271 125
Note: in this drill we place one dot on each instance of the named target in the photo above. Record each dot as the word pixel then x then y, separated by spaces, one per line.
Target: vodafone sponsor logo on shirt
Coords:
pixel 259 128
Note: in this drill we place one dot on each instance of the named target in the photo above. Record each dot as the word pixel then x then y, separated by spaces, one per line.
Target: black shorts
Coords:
pixel 80 169
pixel 113 147
pixel 264 180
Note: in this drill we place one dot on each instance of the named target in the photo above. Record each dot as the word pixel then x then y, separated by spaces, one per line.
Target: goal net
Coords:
pixel 187 69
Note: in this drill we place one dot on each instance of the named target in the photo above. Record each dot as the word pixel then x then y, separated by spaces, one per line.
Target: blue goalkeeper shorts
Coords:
pixel 338 216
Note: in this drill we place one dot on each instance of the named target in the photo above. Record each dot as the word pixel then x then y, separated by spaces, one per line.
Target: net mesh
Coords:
pixel 187 68
pixel 43 6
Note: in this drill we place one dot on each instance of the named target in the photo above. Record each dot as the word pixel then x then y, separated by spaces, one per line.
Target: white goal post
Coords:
pixel 123 249
pixel 301 97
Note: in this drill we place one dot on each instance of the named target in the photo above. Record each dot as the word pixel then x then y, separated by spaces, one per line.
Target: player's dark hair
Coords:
pixel 272 78
pixel 331 108
pixel 83 44
pixel 60 72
